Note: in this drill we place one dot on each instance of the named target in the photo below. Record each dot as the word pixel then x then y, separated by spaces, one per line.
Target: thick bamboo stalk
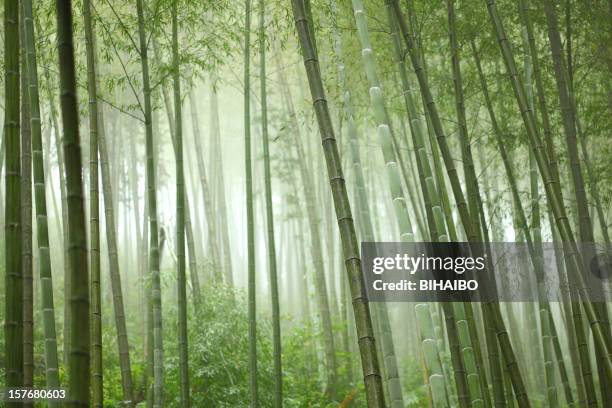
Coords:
pixel 363 320
pixel 26 219
pixel 13 324
pixel 79 374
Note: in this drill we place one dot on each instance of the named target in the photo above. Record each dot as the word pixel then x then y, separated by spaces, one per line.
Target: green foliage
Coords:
pixel 299 355
pixel 218 351
pixel 415 392
pixel 112 373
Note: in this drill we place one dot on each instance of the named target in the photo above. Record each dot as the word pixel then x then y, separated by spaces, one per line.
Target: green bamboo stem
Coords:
pixel 97 396
pixel 414 194
pixel 377 99
pixel 363 320
pixel 536 234
pixel 219 176
pixel 181 205
pixel 542 104
pixel 473 381
pixel 13 325
pixel 249 212
pixel 79 368
pixel 569 321
pixel 42 232
pixel 466 150
pixel 155 324
pixel 594 190
pixel 433 213
pixel 62 179
pixel 431 355
pixel 559 353
pixel 367 231
pixel 57 139
pixel 473 192
pixel 26 219
pixel 189 236
pixel 276 330
pixel 113 261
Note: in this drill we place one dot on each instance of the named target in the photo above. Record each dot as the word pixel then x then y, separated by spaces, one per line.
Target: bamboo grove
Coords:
pixel 186 185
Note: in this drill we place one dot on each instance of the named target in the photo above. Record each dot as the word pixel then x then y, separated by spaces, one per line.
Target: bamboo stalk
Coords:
pixel 363 321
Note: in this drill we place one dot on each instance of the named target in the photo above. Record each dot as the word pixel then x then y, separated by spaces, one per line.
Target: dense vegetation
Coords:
pixel 186 183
